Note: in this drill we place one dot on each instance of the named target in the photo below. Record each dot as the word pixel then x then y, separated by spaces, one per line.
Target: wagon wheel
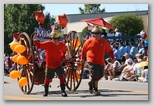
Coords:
pixel 73 67
pixel 28 69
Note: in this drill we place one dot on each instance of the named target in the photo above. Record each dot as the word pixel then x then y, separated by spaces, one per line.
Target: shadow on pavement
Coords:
pixel 85 93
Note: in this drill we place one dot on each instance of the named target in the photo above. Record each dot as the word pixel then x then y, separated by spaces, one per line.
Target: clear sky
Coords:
pixel 58 9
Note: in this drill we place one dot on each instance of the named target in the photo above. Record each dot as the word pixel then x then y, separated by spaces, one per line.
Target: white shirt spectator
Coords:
pixel 117 34
pixel 129 59
pixel 116 61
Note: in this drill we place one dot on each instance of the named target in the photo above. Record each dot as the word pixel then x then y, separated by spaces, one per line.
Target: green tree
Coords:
pixel 91 9
pixel 85 31
pixel 128 24
pixel 20 17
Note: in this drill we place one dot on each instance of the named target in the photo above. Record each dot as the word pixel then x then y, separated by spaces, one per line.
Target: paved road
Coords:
pixel 110 90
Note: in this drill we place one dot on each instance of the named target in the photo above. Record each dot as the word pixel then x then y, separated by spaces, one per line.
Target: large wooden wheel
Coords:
pixel 28 69
pixel 73 67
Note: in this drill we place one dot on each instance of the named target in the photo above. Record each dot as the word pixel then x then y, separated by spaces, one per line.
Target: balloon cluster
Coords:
pixel 20 59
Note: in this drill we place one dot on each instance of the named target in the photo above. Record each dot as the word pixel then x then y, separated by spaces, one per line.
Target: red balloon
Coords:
pixel 39 16
pixel 62 20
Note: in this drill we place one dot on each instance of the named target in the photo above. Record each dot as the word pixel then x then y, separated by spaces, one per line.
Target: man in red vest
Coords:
pixel 55 52
pixel 94 49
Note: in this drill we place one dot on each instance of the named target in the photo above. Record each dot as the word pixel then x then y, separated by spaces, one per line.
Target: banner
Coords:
pixel 42 34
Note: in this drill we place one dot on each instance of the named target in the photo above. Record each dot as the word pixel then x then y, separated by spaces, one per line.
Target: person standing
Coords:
pixel 118 34
pixel 93 52
pixel 9 64
pixel 122 49
pixel 133 51
pixel 110 34
pixel 117 54
pixel 127 47
pixel 55 52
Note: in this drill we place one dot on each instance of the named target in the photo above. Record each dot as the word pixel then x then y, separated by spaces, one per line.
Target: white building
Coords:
pixel 75 20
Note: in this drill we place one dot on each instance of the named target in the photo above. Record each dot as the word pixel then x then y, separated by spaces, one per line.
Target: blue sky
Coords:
pixel 58 9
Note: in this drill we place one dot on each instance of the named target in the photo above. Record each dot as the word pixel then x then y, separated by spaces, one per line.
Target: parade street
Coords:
pixel 110 90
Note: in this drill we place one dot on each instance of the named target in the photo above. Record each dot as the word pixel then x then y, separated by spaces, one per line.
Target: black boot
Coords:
pixel 46 90
pixel 90 86
pixel 63 93
pixel 96 93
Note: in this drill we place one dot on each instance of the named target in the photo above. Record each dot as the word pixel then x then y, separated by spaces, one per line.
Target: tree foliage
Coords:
pixel 128 24
pixel 91 9
pixel 20 17
pixel 85 31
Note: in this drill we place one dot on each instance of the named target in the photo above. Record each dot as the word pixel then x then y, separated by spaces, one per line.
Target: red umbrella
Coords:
pixel 100 22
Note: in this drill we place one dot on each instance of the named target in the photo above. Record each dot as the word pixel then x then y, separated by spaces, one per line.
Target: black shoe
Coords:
pixel 46 88
pixel 96 93
pixel 63 93
pixel 90 87
pixel 45 95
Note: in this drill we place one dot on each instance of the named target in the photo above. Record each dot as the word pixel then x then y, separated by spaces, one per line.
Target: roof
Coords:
pixel 78 17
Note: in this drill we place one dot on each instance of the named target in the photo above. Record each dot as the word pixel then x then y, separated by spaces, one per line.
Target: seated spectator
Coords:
pixel 136 72
pixel 144 76
pixel 115 69
pixel 127 71
pixel 108 68
pixel 138 57
pixel 126 56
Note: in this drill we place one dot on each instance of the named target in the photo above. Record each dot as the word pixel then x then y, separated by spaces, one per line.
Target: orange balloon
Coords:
pixel 15 74
pixel 22 81
pixel 14 58
pixel 22 60
pixel 13 44
pixel 19 48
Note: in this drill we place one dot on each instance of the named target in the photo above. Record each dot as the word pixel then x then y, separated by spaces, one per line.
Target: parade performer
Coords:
pixel 93 52
pixel 55 52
